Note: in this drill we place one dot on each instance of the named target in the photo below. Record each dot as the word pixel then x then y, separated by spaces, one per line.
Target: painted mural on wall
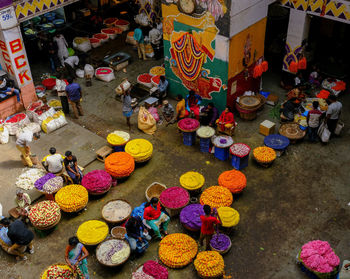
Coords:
pixel 189 49
pixel 328 8
pixel 246 49
pixel 292 55
pixel 30 8
pixel 151 8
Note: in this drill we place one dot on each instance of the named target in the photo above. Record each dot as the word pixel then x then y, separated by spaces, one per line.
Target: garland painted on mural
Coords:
pixel 292 55
pixel 189 56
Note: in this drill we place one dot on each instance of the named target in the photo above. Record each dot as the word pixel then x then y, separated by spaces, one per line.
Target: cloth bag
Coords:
pixel 324 132
pixel 339 128
pixel 146 121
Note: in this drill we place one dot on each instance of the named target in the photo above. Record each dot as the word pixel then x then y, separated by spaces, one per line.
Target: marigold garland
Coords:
pixel 72 198
pixel 216 196
pixel 264 154
pixel 192 180
pixel 92 232
pixel 140 149
pixel 44 214
pixel 177 250
pixel 120 164
pixel 209 264
pixel 229 217
pixel 58 271
pixel 233 180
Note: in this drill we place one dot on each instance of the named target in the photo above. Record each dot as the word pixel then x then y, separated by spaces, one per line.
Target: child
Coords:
pixel 207 228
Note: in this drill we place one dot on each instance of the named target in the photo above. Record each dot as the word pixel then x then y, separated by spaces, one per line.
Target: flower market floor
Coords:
pixel 303 196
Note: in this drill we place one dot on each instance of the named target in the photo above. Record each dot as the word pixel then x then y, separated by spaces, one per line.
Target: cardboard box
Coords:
pixel 272 100
pixel 267 128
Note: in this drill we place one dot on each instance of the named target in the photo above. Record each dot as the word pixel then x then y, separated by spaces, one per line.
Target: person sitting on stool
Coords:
pixel 161 89
pixel 53 162
pixel 71 164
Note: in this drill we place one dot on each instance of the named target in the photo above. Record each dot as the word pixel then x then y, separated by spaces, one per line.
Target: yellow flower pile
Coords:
pixel 92 232
pixel 140 149
pixel 192 180
pixel 58 271
pixel 118 138
pixel 229 217
pixel 264 154
pixel 72 198
pixel 157 71
pixel 55 103
pixel 177 250
pixel 216 197
pixel 209 264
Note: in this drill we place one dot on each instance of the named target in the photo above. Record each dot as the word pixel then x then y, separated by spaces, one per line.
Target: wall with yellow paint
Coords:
pixel 246 47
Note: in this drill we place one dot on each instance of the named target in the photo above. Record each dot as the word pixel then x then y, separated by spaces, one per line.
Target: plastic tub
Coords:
pixel 58 22
pixel 102 37
pixel 49 83
pixel 95 42
pixel 109 32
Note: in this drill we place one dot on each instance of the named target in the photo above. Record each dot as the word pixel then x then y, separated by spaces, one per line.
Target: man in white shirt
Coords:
pixel 333 113
pixel 70 63
pixel 54 162
pixel 155 37
pixel 61 92
pixel 22 144
pixel 159 25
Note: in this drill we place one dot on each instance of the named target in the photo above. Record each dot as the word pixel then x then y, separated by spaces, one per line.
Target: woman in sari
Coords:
pixel 155 218
pixel 226 119
pixel 76 255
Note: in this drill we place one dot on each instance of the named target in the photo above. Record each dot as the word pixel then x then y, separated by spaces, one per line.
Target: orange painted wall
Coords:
pixel 256 32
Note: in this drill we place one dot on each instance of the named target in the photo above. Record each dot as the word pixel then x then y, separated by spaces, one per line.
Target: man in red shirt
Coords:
pixel 207 228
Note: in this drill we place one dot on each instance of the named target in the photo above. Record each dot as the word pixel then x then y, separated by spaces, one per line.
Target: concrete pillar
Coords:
pixel 13 59
pixel 298 31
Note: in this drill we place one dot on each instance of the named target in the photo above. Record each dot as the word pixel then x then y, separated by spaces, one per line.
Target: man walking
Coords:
pixel 333 113
pixel 74 95
pixel 139 38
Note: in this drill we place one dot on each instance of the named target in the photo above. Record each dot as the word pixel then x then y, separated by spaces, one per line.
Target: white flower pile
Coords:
pixel 27 179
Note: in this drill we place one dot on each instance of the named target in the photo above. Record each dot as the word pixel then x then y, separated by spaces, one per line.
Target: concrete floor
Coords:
pixel 303 196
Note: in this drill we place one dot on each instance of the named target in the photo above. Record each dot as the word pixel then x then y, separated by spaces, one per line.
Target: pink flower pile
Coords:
pixel 188 124
pixel 155 270
pixel 97 181
pixel 318 256
pixel 174 197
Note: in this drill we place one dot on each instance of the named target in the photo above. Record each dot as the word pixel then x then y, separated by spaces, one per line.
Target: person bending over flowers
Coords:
pixel 155 218
pixel 76 255
pixel 207 228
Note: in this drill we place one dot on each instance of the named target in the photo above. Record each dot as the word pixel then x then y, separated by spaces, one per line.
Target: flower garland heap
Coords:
pixel 233 180
pixel 157 71
pixel 27 179
pixel 113 252
pixel 92 232
pixel 39 183
pixel 72 198
pixel 209 264
pixel 118 138
pixel 216 197
pixel 60 271
pixel 319 257
pixel 155 269
pixel 140 149
pixel 229 217
pixel 188 124
pixel 53 185
pixel 97 181
pixel 44 214
pixel 264 154
pixel 177 250
pixel 120 164
pixel 192 180
pixel 190 216
pixel 174 198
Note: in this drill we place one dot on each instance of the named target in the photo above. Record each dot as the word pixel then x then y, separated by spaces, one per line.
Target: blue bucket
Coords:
pixel 189 138
pixel 50 16
pixel 221 153
pixel 239 162
pixel 204 145
pixel 58 23
pixel 119 148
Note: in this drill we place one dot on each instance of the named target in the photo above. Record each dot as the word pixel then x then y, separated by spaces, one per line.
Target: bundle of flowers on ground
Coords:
pixel 190 216
pixel 318 256
pixel 44 214
pixel 118 138
pixel 220 242
pixel 155 270
pixel 233 180
pixel 264 154
pixel 120 164
pixel 39 183
pixel 58 271
pixel 192 180
pixel 216 196
pixel 188 124
pixel 113 252
pixel 229 217
pixel 72 198
pixel 177 250
pixel 97 181
pixel 92 232
pixel 27 179
pixel 53 185
pixel 209 264
pixel 140 149
pixel 174 197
